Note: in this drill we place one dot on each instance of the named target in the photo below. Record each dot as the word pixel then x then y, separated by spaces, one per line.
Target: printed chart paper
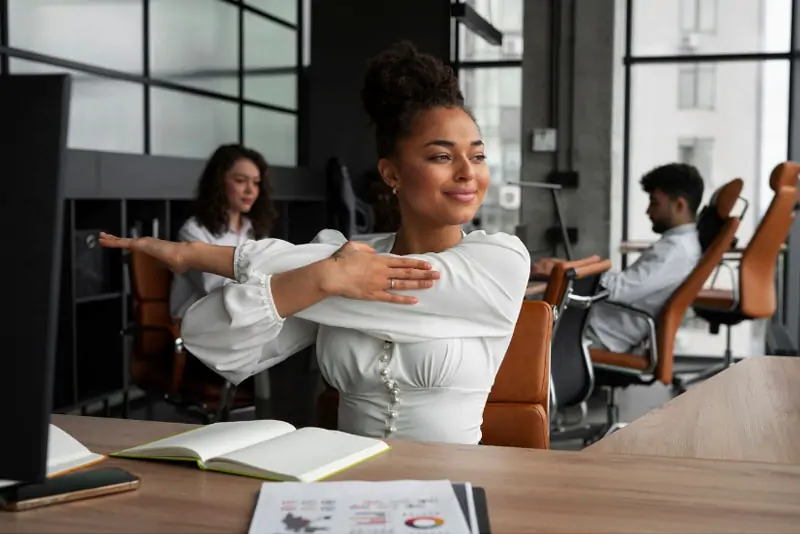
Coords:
pixel 395 507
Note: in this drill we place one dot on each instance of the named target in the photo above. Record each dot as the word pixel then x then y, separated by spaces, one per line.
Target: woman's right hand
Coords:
pixel 355 271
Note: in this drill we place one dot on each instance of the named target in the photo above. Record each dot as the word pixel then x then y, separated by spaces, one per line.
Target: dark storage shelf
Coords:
pixel 95 304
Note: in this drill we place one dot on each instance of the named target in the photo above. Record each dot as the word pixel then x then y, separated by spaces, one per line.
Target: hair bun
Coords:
pixel 402 79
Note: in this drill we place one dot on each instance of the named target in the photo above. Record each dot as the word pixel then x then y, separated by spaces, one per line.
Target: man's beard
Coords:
pixel 660 227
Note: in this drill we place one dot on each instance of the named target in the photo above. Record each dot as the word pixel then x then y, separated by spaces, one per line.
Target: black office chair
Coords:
pixel 345 211
pixel 571 367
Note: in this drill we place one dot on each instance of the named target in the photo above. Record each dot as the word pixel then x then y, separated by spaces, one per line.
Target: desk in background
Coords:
pixel 749 412
pixel 527 490
pixel 535 289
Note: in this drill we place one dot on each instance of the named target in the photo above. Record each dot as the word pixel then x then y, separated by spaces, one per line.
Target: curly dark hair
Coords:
pixel 399 83
pixel 211 204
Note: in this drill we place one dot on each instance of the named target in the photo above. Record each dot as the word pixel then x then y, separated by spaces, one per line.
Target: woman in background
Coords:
pixel 233 205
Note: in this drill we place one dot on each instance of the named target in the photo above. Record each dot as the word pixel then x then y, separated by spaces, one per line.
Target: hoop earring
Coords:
pixel 394 190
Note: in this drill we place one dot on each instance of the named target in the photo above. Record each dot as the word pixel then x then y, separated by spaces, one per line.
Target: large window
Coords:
pixel 491 80
pixel 167 77
pixel 712 91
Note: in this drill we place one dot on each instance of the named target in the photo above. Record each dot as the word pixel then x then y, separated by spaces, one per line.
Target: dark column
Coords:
pixel 345 34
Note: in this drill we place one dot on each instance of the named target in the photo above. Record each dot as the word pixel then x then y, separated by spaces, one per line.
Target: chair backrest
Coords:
pixel 516 413
pixel 571 365
pixel 713 216
pixel 673 311
pixel 757 297
pixel 151 281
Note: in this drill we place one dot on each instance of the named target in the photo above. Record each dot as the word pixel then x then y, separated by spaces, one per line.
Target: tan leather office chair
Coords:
pixel 615 370
pixel 517 410
pixel 159 364
pixel 754 294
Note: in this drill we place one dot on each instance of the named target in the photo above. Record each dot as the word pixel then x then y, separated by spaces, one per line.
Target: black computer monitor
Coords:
pixel 34 111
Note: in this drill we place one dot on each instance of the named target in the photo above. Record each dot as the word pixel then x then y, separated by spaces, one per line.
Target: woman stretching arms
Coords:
pixel 412 328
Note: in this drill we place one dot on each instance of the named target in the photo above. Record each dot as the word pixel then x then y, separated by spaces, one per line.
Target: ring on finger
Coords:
pixel 391 283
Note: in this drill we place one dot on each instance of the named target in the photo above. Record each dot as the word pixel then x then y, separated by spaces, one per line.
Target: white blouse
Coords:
pixel 420 372
pixel 189 287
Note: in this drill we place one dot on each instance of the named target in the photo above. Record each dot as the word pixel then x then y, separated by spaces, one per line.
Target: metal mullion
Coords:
pixel 626 121
pixel 146 73
pixel 490 64
pixel 261 13
pixel 240 73
pixel 298 80
pixel 134 78
pixel 710 58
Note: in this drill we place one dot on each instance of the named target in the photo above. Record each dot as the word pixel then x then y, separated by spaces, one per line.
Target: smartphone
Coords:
pixel 67 488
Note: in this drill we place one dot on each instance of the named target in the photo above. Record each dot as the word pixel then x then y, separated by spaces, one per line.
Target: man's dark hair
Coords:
pixel 676 180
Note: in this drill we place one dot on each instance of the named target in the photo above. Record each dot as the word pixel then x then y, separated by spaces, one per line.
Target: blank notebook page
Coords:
pixel 308 453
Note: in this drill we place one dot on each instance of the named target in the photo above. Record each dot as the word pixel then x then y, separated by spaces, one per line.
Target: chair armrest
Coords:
pixel 652 335
pixel 582 302
pixel 173 330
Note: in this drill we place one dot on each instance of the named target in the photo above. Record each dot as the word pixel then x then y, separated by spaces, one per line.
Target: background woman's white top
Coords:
pixel 418 372
pixel 189 287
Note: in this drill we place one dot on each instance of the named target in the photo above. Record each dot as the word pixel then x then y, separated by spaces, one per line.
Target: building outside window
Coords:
pixel 696 86
pixel 491 80
pixel 698 152
pixel 698 16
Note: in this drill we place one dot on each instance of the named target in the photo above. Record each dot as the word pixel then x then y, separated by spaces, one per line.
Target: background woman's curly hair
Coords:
pixel 211 204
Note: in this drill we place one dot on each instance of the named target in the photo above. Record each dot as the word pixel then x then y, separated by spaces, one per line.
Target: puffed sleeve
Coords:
pixel 236 330
pixel 205 282
pixel 479 293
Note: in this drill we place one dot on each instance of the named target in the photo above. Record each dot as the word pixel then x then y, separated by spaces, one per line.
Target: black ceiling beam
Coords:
pixel 474 22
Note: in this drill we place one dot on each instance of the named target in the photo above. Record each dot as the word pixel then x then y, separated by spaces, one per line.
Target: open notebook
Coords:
pixel 271 450
pixel 64 454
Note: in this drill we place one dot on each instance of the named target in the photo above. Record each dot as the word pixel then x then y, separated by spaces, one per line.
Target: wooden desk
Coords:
pixel 748 412
pixel 535 288
pixel 528 490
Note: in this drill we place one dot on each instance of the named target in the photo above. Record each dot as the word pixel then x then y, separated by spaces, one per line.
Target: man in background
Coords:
pixel 675 191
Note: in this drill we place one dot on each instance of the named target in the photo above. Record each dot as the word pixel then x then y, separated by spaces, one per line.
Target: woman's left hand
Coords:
pixel 169 252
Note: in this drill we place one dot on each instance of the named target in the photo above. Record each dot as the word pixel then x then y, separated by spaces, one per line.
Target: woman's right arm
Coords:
pixel 239 333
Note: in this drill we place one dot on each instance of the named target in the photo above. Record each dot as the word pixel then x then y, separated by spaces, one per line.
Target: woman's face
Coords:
pixel 242 184
pixel 439 170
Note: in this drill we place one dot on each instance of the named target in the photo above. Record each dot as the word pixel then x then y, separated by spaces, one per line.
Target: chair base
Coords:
pixel 681 383
pixel 593 432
